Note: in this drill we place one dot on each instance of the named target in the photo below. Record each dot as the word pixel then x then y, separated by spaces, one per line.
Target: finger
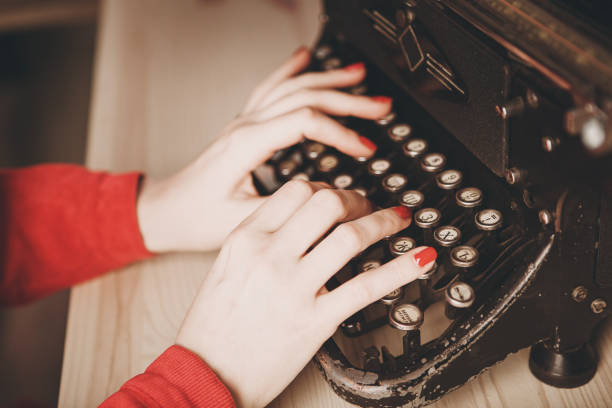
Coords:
pixel 338 78
pixel 349 239
pixel 372 285
pixel 325 209
pixel 331 102
pixel 276 209
pixel 286 130
pixel 295 64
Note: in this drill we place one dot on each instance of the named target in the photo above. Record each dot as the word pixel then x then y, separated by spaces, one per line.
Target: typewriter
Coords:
pixel 499 141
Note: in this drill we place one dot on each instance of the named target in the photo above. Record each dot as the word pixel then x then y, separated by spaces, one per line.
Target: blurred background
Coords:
pixel 47 67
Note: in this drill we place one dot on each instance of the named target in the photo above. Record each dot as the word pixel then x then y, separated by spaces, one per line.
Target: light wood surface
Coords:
pixel 168 76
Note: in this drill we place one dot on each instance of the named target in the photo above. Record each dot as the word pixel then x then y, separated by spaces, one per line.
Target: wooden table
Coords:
pixel 168 76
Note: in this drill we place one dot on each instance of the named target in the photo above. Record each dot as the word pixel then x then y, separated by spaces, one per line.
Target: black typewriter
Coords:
pixel 499 141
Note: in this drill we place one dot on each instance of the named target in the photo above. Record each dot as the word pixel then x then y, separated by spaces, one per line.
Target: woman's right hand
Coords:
pixel 263 311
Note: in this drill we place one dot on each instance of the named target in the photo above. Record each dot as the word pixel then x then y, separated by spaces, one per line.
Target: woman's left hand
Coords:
pixel 196 208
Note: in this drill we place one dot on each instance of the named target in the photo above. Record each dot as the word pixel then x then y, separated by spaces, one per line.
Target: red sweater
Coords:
pixel 61 225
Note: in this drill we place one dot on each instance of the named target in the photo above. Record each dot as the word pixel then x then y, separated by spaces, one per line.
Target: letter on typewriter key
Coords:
pixel 399 132
pixel 368 265
pixel 433 162
pixel 400 245
pixel 379 167
pixel 489 220
pixel 459 296
pixel 415 148
pixel 313 150
pixel 394 182
pixel 449 179
pixel 427 219
pixel 343 181
pixel 464 258
pixel 412 199
pixel 447 236
pixel 387 119
pixel 327 163
pixel 469 197
pixel 408 318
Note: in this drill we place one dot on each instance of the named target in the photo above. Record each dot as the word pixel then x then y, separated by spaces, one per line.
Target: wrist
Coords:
pixel 149 211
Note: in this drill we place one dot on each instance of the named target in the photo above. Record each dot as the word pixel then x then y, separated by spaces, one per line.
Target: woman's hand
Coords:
pixel 196 208
pixel 263 311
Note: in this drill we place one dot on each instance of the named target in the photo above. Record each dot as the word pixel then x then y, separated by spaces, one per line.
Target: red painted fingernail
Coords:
pixel 355 67
pixel 425 256
pixel 382 99
pixel 368 143
pixel 403 212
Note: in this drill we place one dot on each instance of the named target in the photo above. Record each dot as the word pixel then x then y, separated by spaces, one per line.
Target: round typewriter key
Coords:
pixel 392 297
pixel 394 182
pixel 447 236
pixel 322 51
pixel 400 245
pixel 415 148
pixel 331 63
pixel 406 316
pixel 387 119
pixel 368 265
pixel 313 150
pixel 488 220
pixel 360 89
pixel 361 191
pixel 286 168
pixel 412 199
pixel 327 163
pixel 429 273
pixel 300 176
pixel 469 197
pixel 427 218
pixel 433 162
pixel 378 167
pixel 449 179
pixel 460 295
pixel 399 132
pixel 343 181
pixel 464 256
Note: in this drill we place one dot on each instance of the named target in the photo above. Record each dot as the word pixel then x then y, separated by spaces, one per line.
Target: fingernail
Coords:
pixel 368 143
pixel 403 212
pixel 355 67
pixel 382 99
pixel 425 256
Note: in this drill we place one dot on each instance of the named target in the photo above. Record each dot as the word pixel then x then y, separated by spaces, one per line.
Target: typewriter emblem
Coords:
pixel 419 55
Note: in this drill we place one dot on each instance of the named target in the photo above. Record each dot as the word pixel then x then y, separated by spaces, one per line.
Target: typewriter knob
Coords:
pixel 489 220
pixel 327 163
pixel 449 179
pixel 286 168
pixel 378 167
pixel 447 236
pixel 394 182
pixel 433 162
pixel 387 119
pixel 406 316
pixel 392 297
pixel 399 132
pixel 400 245
pixel 368 265
pixel 469 197
pixel 322 51
pixel 464 256
pixel 415 148
pixel 331 63
pixel 427 218
pixel 343 181
pixel 313 150
pixel 460 295
pixel 412 199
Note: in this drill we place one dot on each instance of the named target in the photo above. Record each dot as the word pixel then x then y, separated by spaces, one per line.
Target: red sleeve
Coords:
pixel 62 224
pixel 178 379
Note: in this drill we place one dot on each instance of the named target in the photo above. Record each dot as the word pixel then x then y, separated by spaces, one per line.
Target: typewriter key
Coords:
pixel 327 163
pixel 488 220
pixel 300 176
pixel 400 245
pixel 378 167
pixel 433 162
pixel 447 236
pixel 399 132
pixel 394 182
pixel 449 179
pixel 460 295
pixel 427 218
pixel 387 119
pixel 343 181
pixel 392 297
pixel 331 63
pixel 322 51
pixel 368 265
pixel 415 148
pixel 313 150
pixel 360 89
pixel 406 316
pixel 464 256
pixel 469 197
pixel 286 168
pixel 412 199
pixel 361 191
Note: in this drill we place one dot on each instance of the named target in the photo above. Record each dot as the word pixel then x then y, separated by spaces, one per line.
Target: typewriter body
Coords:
pixel 500 142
